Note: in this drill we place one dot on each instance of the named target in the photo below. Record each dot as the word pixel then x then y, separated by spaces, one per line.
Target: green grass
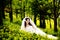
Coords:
pixel 12 31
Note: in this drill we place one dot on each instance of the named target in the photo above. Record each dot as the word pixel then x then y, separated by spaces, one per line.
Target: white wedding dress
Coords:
pixel 37 31
pixel 40 32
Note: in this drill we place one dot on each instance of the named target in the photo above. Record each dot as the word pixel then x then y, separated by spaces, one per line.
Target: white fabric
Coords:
pixel 30 29
pixel 34 29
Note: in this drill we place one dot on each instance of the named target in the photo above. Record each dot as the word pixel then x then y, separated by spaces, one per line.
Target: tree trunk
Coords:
pixel 1 11
pixel 35 18
pixel 44 26
pixel 10 13
pixel 42 21
pixel 55 17
pixel 3 5
pixel 11 16
pixel 55 24
pixel 1 21
pixel 50 23
pixel 3 15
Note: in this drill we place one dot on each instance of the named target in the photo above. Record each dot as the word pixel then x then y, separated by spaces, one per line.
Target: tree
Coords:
pixel 35 9
pixel 42 12
pixel 3 5
pixel 1 20
pixel 1 11
pixel 10 13
pixel 55 17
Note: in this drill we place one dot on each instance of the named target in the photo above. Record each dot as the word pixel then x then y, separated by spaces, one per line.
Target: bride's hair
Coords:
pixel 28 23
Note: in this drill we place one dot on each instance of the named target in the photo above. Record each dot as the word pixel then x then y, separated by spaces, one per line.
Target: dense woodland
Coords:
pixel 44 13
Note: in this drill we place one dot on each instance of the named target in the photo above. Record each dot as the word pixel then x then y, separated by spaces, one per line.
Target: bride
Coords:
pixel 29 26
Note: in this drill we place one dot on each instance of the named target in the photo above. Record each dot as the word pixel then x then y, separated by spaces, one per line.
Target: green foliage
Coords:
pixel 18 34
pixel 12 31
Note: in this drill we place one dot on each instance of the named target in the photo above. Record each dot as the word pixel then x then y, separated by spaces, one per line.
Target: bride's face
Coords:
pixel 27 21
